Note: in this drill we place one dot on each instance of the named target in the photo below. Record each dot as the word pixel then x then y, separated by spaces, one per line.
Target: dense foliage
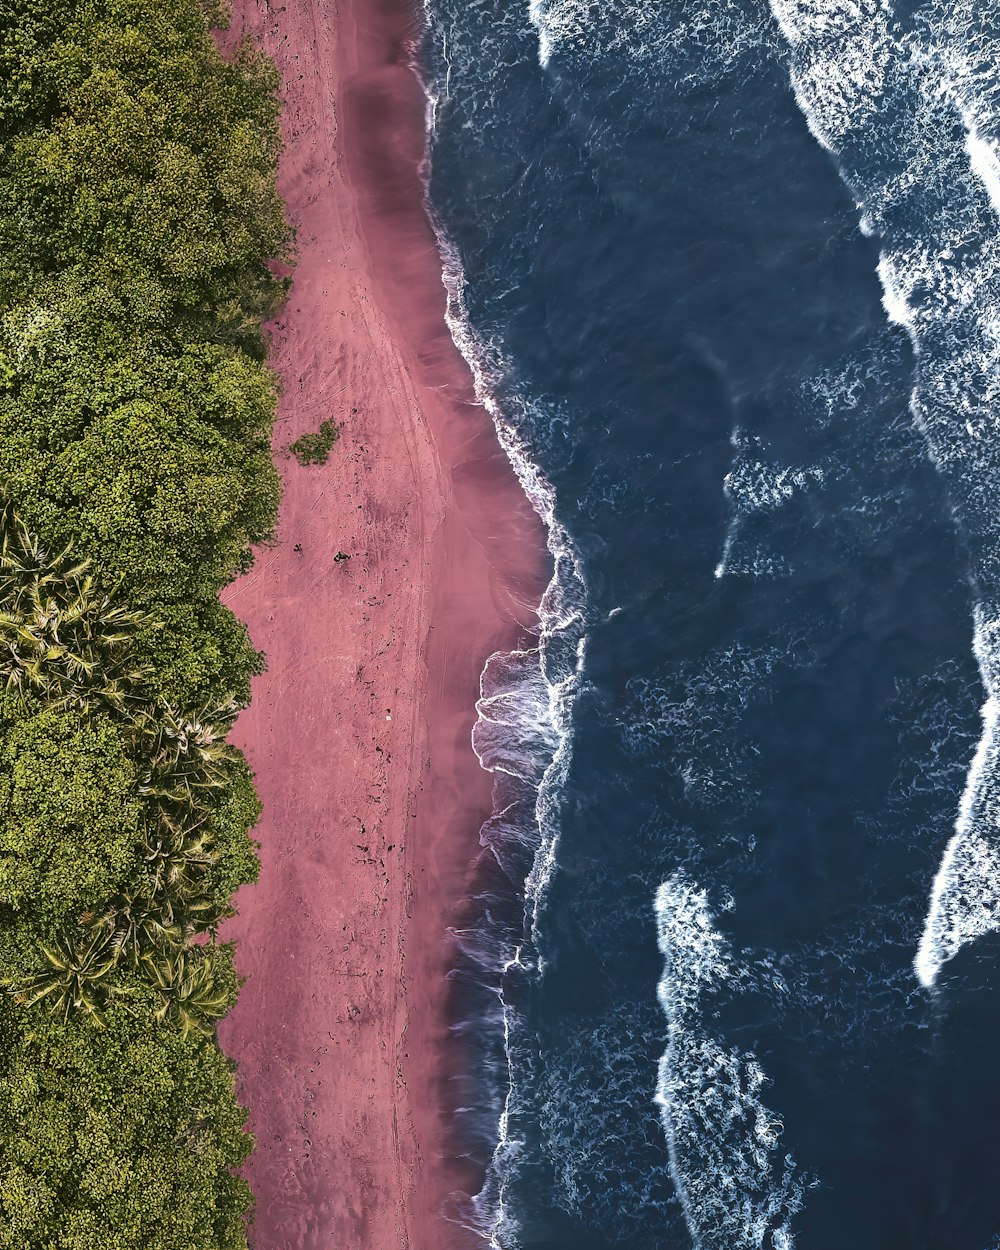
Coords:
pixel 138 223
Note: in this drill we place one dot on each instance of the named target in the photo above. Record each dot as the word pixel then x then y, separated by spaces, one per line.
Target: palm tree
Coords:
pixel 188 755
pixel 60 636
pixel 199 732
pixel 66 641
pixel 75 976
pixel 178 853
pixel 135 922
pixel 164 912
pixel 23 557
pixel 193 997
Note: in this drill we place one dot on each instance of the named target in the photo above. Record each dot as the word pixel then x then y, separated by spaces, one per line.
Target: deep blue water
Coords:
pixel 729 275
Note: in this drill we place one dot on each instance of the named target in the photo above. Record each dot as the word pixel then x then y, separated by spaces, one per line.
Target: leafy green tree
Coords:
pixel 70 813
pixel 119 1138
pixel 27 32
pixel 199 653
pixel 157 160
pixel 154 466
pixel 235 812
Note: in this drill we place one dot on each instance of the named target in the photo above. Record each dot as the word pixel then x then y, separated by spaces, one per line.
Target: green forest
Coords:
pixel 140 238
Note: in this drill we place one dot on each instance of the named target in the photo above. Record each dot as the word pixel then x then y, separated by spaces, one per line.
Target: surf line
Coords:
pixel 523 733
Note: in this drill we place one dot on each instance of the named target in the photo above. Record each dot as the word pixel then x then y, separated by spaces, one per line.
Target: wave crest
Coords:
pixel 912 114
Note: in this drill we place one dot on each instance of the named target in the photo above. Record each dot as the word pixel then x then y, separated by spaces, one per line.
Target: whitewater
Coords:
pixel 741 350
pixel 878 93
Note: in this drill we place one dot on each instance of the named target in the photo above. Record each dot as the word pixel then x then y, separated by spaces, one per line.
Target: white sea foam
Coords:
pixel 899 108
pixel 967 51
pixel 523 733
pixel 591 26
pixel 691 41
pixel 540 727
pixel 843 90
pixel 755 484
pixel 965 895
pixel 984 162
pixel 738 1188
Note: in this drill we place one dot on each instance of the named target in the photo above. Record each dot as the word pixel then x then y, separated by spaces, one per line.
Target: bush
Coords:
pixel 315 448
pixel 119 1138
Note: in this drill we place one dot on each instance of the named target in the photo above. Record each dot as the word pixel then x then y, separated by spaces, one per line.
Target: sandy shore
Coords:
pixel 360 730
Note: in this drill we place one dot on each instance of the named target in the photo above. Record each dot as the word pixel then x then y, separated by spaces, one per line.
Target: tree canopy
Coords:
pixel 69 813
pixel 125 1138
pixel 141 243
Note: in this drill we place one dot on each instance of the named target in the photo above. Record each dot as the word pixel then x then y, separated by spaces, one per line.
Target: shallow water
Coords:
pixel 729 280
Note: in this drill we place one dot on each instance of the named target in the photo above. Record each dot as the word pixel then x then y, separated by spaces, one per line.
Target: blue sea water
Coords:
pixel 728 273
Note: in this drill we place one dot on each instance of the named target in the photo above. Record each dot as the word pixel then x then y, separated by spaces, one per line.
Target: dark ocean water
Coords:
pixel 730 280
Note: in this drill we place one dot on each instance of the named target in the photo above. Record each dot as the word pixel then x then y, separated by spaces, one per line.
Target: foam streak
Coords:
pixel 738 1189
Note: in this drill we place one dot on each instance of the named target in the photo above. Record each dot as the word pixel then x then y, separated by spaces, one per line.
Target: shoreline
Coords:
pixel 360 731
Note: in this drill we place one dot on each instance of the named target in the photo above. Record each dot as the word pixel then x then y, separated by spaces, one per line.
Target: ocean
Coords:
pixel 728 275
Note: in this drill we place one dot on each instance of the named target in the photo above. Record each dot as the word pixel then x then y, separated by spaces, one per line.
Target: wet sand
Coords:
pixel 359 732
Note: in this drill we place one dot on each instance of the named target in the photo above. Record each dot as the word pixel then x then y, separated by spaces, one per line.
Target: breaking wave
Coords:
pixel 909 120
pixel 910 113
pixel 738 1187
pixel 695 40
pixel 523 737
